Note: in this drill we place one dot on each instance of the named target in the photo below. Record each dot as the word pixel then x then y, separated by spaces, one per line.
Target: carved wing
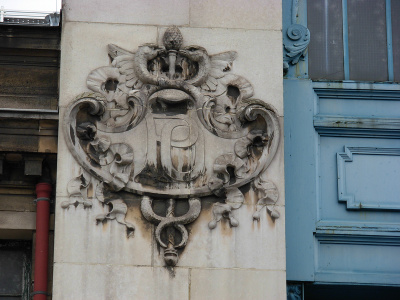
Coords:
pixel 124 61
pixel 220 64
pixel 114 51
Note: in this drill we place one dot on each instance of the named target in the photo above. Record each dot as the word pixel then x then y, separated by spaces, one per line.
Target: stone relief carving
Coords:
pixel 77 192
pixel 296 41
pixel 171 124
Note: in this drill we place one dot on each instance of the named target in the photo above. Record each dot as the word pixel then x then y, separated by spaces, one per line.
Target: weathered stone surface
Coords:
pixel 237 284
pixel 251 245
pixel 179 101
pixel 85 49
pixel 150 12
pixel 80 239
pixel 97 282
pixel 101 261
pixel 68 165
pixel 251 14
pixel 16 202
pixel 17 220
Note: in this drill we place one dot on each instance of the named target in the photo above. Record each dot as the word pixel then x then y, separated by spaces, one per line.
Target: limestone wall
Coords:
pixel 99 261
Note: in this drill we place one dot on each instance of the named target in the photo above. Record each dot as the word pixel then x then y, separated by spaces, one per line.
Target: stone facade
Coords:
pixel 207 221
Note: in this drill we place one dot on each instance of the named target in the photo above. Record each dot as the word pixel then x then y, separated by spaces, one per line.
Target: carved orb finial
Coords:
pixel 173 38
pixel 171 257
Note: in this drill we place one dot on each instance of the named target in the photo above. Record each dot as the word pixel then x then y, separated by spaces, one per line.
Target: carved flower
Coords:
pixel 227 168
pixel 99 151
pixel 101 144
pixel 86 131
pixel 224 113
pixel 255 138
pixel 229 163
pixel 121 165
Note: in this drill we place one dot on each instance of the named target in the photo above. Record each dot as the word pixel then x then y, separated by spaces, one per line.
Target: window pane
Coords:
pixel 12 279
pixel 326 43
pixel 367 40
pixel 15 260
pixel 396 38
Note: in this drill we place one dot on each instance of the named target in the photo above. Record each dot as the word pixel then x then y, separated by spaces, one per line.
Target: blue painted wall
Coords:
pixel 342 173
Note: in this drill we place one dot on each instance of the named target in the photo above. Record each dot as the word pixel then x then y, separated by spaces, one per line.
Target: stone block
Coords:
pixel 79 239
pixel 251 245
pixel 67 167
pixel 237 284
pixel 247 14
pixel 151 12
pixel 97 282
pixel 17 220
pixel 85 49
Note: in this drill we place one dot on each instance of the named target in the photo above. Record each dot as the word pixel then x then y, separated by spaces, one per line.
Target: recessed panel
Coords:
pixel 342 258
pixel 330 209
pixel 368 177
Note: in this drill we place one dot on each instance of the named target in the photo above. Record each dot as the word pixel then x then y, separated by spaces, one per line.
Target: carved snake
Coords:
pixel 177 222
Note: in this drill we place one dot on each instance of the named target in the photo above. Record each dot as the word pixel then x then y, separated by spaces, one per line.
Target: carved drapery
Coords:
pixel 171 123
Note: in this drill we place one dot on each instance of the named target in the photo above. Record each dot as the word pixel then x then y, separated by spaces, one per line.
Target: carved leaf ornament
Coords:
pixel 170 123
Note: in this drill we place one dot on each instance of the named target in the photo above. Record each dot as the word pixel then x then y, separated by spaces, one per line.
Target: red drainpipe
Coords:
pixel 43 191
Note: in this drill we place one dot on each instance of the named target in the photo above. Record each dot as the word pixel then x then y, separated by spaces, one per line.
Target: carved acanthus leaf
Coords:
pixel 234 200
pixel 267 197
pixel 77 192
pixel 117 210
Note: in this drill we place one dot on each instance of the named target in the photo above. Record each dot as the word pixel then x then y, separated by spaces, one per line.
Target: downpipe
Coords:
pixel 43 191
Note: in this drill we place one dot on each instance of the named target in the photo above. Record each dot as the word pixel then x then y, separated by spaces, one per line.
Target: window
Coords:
pixel 354 40
pixel 15 266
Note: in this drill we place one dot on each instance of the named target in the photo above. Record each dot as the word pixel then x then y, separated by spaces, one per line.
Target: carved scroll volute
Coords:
pixel 171 123
pixel 95 106
pixel 296 39
pixel 253 154
pixel 257 108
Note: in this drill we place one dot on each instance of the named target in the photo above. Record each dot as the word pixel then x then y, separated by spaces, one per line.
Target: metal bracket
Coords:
pixel 41 199
pixel 39 293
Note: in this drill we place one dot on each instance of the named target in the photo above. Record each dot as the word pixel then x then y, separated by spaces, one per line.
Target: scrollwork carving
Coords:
pixel 170 123
pixel 77 192
pixel 268 195
pixel 117 210
pixel 296 41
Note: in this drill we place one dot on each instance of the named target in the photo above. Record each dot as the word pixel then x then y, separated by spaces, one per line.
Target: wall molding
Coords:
pixel 347 156
pixel 367 228
pixel 357 91
pixel 327 125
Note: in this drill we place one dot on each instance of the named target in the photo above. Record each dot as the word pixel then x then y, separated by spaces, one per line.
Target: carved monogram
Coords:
pixel 171 123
